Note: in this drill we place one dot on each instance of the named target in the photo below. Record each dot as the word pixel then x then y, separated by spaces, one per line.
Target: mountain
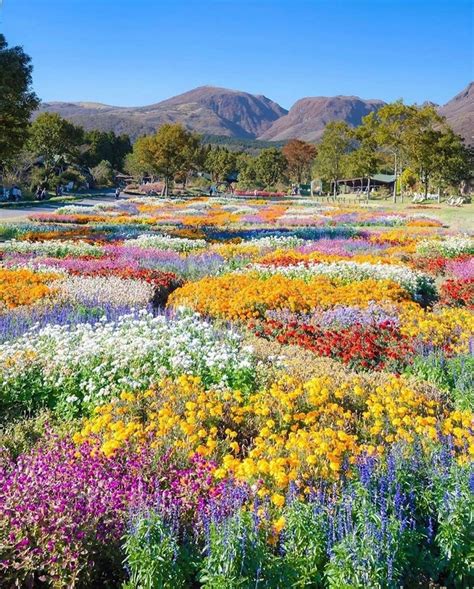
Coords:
pixel 220 112
pixel 308 116
pixel 207 109
pixel 459 113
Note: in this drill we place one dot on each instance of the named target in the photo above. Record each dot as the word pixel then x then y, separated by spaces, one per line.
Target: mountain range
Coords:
pixel 231 113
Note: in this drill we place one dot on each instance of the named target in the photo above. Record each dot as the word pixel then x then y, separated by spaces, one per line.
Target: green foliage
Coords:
pixel 270 166
pixel 55 140
pixel 455 537
pixel 220 163
pixel 71 175
pixel 304 544
pixel 453 375
pixel 331 161
pixel 103 145
pixel 17 100
pixel 237 556
pixel 21 434
pixel 154 557
pixel 171 151
pixel 103 174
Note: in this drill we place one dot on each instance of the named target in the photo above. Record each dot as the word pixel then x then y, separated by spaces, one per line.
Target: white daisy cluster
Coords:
pixel 84 364
pixel 106 289
pixel 450 247
pixel 277 242
pixel 165 242
pixel 53 248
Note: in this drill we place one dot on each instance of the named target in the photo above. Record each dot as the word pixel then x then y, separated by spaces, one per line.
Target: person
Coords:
pixel 38 192
pixel 210 191
pixel 117 193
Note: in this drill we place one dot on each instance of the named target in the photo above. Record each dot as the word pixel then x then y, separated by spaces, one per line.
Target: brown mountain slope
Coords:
pixel 207 109
pixel 459 113
pixel 308 116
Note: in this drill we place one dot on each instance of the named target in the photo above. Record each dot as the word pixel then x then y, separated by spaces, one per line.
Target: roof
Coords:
pixel 383 178
pixel 380 178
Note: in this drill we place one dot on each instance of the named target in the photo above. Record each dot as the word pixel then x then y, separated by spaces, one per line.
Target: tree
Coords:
pixel 103 145
pixel 246 169
pixel 220 163
pixel 434 151
pixel 332 152
pixel 300 157
pixel 270 166
pixel 56 140
pixel 103 173
pixel 363 161
pixel 454 165
pixel 167 153
pixel 391 125
pixel 17 100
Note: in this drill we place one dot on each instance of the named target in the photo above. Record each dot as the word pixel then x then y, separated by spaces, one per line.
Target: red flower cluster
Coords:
pixel 366 347
pixel 435 264
pixel 458 293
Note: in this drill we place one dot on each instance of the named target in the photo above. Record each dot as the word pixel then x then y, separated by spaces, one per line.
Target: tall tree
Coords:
pixel 270 166
pixel 103 145
pixel 434 150
pixel 17 100
pixel 220 163
pixel 363 161
pixel 300 157
pixel 332 152
pixel 391 125
pixel 55 139
pixel 167 153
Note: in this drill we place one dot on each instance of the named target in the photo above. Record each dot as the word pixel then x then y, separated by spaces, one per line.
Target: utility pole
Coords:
pixel 395 181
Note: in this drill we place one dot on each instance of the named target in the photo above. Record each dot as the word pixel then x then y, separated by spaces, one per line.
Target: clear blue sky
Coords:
pixel 137 52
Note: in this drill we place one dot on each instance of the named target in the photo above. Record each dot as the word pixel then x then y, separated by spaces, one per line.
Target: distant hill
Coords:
pixel 219 112
pixel 459 113
pixel 209 110
pixel 308 117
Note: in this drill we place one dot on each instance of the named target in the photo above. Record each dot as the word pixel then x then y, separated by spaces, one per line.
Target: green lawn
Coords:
pixel 457 218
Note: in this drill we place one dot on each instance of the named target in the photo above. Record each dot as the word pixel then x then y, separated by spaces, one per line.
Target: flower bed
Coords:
pixel 235 393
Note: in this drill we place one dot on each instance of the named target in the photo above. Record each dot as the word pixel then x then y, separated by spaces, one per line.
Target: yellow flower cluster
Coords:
pixel 248 296
pixel 289 432
pixel 24 287
pixel 446 327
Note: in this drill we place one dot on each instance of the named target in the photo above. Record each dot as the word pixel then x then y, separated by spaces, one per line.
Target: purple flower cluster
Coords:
pixel 16 322
pixel 462 269
pixel 342 247
pixel 340 316
pixel 61 505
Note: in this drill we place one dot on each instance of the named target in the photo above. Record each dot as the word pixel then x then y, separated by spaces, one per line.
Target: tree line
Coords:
pixel 414 143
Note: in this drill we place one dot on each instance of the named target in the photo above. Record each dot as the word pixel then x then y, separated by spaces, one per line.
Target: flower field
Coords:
pixel 236 393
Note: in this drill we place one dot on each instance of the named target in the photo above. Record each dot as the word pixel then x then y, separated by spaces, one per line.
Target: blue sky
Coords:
pixel 137 52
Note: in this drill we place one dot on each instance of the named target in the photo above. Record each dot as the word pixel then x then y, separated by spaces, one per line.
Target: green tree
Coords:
pixel 56 140
pixel 103 145
pixel 167 153
pixel 220 163
pixel 331 161
pixel 300 157
pixel 270 166
pixel 103 173
pixel 246 168
pixel 17 100
pixel 363 161
pixel 391 125
pixel 434 151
